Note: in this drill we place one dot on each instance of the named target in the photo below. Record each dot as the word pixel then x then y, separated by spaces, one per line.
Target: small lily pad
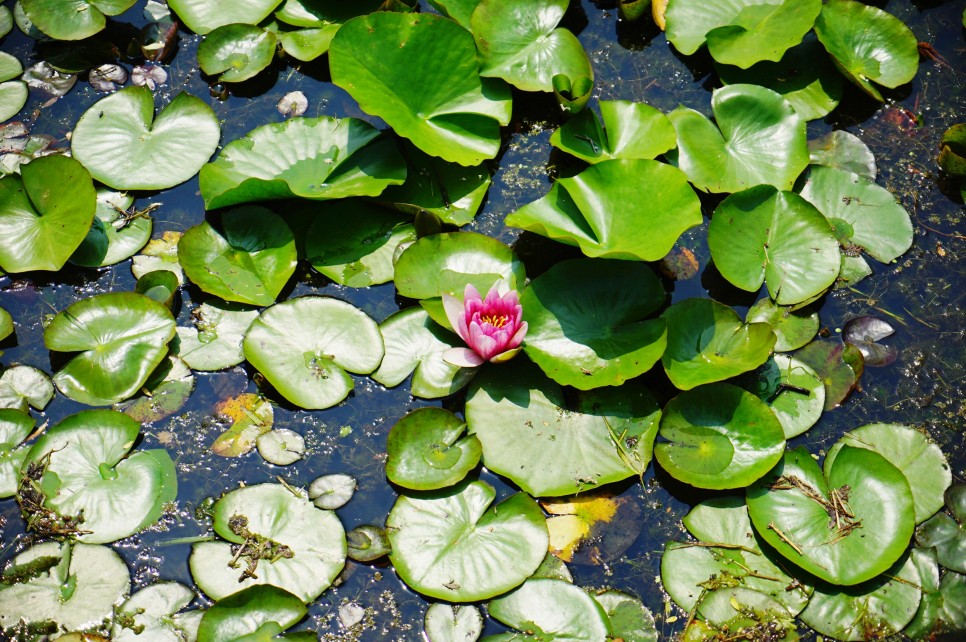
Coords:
pixel 947 533
pixel 115 233
pixel 332 491
pixel 236 52
pixel 629 130
pixel 793 327
pixel 281 446
pixel 447 623
pixel 791 389
pixel 25 386
pixel 428 450
pixel 864 333
pixel 159 285
pixel 843 150
pixel 368 543
pixel 215 341
pixel 157 611
pixel 253 613
pixel 838 365
pixel 159 254
pixel 165 392
pixel 250 415
pixel 552 610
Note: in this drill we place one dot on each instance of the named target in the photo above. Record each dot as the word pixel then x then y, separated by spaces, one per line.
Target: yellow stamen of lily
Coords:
pixel 494 320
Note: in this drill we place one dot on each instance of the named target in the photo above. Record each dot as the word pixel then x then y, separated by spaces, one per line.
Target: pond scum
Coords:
pixel 252 385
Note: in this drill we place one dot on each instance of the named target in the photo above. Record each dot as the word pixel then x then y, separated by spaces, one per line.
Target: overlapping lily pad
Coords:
pixel 236 52
pixel 165 392
pixel 617 209
pixel 13 94
pixel 629 130
pixel 419 73
pixel 427 450
pixel 793 327
pixel 838 365
pixel 552 610
pixel 72 20
pixel 289 543
pixel 257 612
pixel 758 139
pixel 247 258
pixel 791 389
pixel 845 526
pixel 119 137
pixel 454 546
pixel 15 427
pixel 314 158
pixel 707 342
pixel 45 213
pixel 202 16
pixel 115 233
pixel 549 448
pixel 83 481
pixel 740 613
pixel 588 323
pixel 250 417
pixel 157 611
pixel 215 340
pixel 947 533
pixel 943 604
pixel 843 150
pixel 306 347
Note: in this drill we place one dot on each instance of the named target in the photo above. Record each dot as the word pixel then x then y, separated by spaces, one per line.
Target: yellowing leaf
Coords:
pixel 250 415
pixel 572 521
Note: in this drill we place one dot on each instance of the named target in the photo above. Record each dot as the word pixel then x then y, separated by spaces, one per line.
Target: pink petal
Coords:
pixel 454 313
pixel 482 343
pixel 470 293
pixel 463 357
pixel 518 337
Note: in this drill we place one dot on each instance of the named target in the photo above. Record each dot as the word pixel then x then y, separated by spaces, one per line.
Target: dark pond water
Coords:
pixel 921 294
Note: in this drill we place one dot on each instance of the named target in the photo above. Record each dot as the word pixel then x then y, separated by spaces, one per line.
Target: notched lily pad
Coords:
pixel 446 623
pixel 838 365
pixel 117 232
pixel 157 611
pixel 864 333
pixel 215 341
pixel 281 446
pixel 236 52
pixel 793 326
pixel 332 491
pixel 552 610
pixel 791 389
pixel 624 130
pixel 23 386
pixel 427 450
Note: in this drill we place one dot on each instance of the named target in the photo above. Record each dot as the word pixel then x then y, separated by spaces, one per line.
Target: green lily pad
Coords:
pixel 115 234
pixel 805 77
pixel 459 10
pixel 73 586
pixel 838 365
pixel 843 150
pixel 159 254
pixel 160 285
pixel 881 607
pixel 154 611
pixel 353 243
pixel 952 150
pixel 919 459
pixel 453 546
pixel 15 427
pixel 314 158
pixel 879 225
pixel 332 491
pixel 551 448
pixel 870 46
pixel 23 386
pixel 519 41
pixel 718 436
pixel 202 16
pixel 428 450
pixel 727 554
pixel 943 605
pixel 743 614
pixel 572 95
pixel 791 389
pixel 451 191
pixel 165 392
pixel 6 21
pixel 447 623
pixel 236 52
pixel 845 526
pixel 617 209
pixel 215 341
pixel 281 446
pixel 290 544
pixel 419 73
pixel 45 213
pixel 13 95
pixel 118 137
pixel 74 20
pixel 793 327
pixel 84 482
pixel 248 258
pixel 415 345
pixel 588 323
pixel 121 337
pixel 707 342
pixel 627 618
pixel 446 263
pixel 630 130
pixel 551 610
pixel 307 44
pixel 305 346
pixel 759 140
pixel 368 543
pixel 254 613
pixel 765 235
pixel 947 533
pixel 250 415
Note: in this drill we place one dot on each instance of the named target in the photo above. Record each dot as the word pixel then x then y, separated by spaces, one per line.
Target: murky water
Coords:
pixel 921 294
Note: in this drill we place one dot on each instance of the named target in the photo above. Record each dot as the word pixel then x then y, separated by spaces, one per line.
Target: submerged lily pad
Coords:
pixel 454 546
pixel 89 485
pixel 202 16
pixel 588 323
pixel 305 346
pixel 427 450
pixel 759 139
pixel 74 20
pixel 236 52
pixel 45 213
pixel 315 158
pixel 215 341
pixel 248 258
pixel 629 130
pixel 864 333
pixel 115 234
pixel 618 209
pixel 118 137
pixel 552 610
pixel 845 525
pixel 419 73
pixel 289 543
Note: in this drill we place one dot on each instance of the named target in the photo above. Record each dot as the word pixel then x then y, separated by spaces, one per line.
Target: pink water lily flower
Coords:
pixel 493 328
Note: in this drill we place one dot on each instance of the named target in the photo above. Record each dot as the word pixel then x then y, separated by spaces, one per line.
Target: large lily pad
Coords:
pixel 845 526
pixel 759 140
pixel 629 130
pixel 552 610
pixel 116 233
pixel 707 342
pixel 70 585
pixel 305 346
pixel 248 258
pixel 587 322
pixel 314 158
pixel 548 448
pixel 419 73
pixel 202 16
pixel 215 340
pixel 118 138
pixel 121 338
pixel 765 235
pixel 74 20
pixel 236 52
pixel 519 42
pixel 617 209
pixel 869 214
pixel 45 213
pixel 427 450
pixel 718 436
pixel 288 543
pixel 456 547
pixel 84 482
pixel 870 46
